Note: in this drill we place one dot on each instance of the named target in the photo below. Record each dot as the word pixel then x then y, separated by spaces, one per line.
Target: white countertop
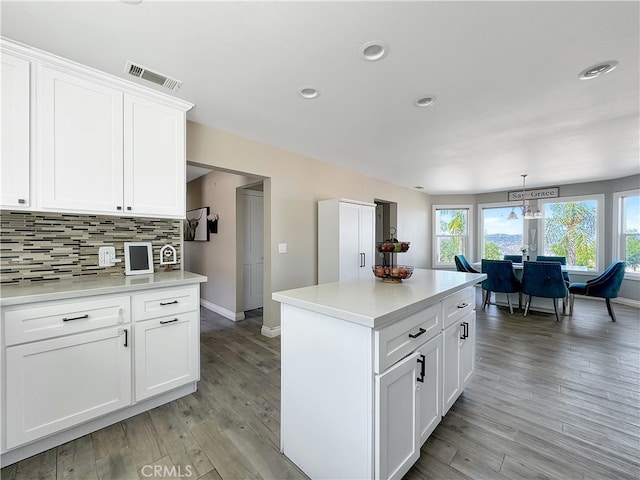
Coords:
pixel 373 303
pixel 94 285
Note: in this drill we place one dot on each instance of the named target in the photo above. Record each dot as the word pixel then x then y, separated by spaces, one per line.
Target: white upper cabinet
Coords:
pixel 79 143
pixel 102 145
pixel 154 158
pixel 14 164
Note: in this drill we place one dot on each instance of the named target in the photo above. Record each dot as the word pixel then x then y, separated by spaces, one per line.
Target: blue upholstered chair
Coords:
pixel 462 265
pixel 543 279
pixel 605 286
pixel 514 258
pixel 500 278
pixel 562 260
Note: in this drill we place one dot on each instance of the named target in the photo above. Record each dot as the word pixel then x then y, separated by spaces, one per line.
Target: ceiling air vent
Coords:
pixel 151 76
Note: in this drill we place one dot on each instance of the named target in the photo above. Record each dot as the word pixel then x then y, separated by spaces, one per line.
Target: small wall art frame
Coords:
pixel 195 225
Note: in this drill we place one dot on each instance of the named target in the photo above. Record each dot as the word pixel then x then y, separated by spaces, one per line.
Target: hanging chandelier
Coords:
pixel 527 213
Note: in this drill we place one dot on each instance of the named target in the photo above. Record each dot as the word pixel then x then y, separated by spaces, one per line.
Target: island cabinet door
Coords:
pixel 397 418
pixel 467 349
pixel 430 386
pixel 451 338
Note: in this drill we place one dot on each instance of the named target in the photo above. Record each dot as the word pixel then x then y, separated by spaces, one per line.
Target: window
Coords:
pixel 573 228
pixel 451 227
pixel 500 236
pixel 627 228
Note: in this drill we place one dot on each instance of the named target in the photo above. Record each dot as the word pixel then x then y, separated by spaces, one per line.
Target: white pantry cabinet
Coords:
pixel 101 145
pixel 346 240
pixel 14 163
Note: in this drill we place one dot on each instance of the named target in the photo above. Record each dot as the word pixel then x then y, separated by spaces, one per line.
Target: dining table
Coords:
pixel 537 304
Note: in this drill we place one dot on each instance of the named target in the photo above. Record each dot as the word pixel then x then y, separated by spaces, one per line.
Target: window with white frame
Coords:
pixel 451 227
pixel 574 228
pixel 627 230
pixel 501 235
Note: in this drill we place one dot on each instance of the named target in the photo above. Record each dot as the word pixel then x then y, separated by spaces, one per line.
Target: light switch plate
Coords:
pixel 282 248
pixel 106 256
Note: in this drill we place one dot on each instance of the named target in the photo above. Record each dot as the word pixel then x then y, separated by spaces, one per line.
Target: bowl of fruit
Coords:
pixel 393 246
pixel 394 274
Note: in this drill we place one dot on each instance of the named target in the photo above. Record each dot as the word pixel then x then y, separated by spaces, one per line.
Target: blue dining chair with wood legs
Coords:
pixel 563 261
pixel 606 286
pixel 500 278
pixel 543 279
pixel 462 265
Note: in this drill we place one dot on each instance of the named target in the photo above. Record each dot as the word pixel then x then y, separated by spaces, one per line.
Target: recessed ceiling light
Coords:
pixel 426 101
pixel 132 2
pixel 598 70
pixel 419 187
pixel 309 93
pixel 374 51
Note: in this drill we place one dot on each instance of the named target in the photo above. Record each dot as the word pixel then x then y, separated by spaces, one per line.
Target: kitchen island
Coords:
pixel 369 369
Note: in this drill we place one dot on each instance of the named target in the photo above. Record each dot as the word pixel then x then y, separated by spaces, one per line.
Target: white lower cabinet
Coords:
pixel 429 386
pixel 166 353
pixel 397 418
pixel 57 383
pixel 459 358
pixel 68 363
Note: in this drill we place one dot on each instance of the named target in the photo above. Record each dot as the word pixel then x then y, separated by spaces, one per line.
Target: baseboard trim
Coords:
pixel 235 316
pixel 270 331
pixel 622 301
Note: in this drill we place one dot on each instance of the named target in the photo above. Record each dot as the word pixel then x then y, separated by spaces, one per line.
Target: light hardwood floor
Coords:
pixel 556 400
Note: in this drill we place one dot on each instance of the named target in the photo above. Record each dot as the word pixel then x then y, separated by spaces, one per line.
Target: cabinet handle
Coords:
pixel 119 207
pixel 22 201
pixel 126 337
pixel 164 322
pixel 129 208
pixel 421 361
pixel 65 319
pixel 162 304
pixel 463 305
pixel 465 330
pixel 416 335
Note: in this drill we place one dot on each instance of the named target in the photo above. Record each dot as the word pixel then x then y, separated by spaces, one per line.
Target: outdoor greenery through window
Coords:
pixel 572 230
pixel 629 229
pixel 452 234
pixel 500 236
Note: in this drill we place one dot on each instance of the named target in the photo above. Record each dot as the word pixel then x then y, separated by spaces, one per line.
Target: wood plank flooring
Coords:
pixel 549 400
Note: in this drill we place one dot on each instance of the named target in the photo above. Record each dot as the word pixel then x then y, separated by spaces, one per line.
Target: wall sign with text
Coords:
pixel 535 194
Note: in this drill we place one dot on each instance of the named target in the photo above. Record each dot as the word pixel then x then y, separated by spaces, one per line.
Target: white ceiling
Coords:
pixel 505 75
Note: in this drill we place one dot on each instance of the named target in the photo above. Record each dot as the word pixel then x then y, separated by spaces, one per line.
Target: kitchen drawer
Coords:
pixel 53 319
pixel 458 305
pixel 399 339
pixel 165 301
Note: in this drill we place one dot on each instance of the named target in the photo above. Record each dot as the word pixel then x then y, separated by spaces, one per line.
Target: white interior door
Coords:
pixel 253 252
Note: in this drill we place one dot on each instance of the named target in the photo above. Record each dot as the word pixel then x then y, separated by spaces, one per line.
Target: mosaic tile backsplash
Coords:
pixel 36 246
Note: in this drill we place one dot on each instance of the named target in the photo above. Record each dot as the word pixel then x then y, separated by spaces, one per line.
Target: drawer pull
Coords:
pixel 164 322
pixel 126 337
pixel 162 304
pixel 421 362
pixel 65 319
pixel 463 305
pixel 416 335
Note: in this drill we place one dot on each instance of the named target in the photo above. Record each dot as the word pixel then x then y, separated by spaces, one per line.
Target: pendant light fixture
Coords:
pixel 527 214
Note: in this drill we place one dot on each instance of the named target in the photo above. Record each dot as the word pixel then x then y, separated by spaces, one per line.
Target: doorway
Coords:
pixel 386 217
pixel 251 222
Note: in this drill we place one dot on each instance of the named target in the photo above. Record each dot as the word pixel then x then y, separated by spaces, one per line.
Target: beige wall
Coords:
pixel 292 187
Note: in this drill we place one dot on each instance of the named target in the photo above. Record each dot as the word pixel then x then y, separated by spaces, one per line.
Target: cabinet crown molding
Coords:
pixel 78 69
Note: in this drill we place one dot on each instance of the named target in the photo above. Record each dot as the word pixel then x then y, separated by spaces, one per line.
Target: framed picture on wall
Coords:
pixel 195 225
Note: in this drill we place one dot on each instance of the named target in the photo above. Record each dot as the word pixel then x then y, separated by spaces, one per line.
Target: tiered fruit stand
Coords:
pixel 390 272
